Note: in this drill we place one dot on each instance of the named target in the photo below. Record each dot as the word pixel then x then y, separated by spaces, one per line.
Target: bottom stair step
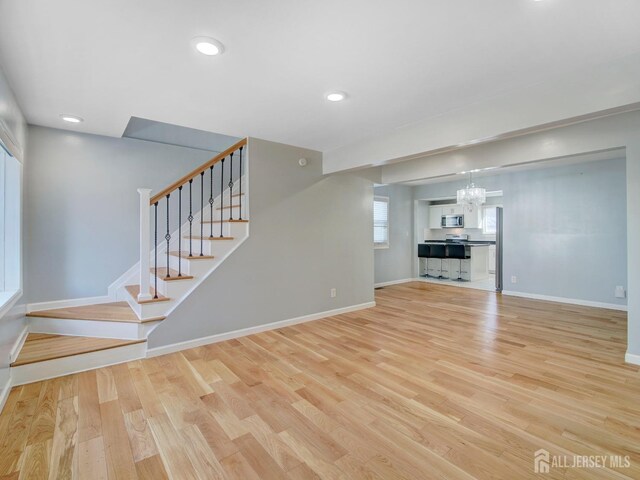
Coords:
pixel 41 347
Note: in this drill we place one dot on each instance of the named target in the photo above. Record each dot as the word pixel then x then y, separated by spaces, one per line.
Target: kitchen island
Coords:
pixel 455 260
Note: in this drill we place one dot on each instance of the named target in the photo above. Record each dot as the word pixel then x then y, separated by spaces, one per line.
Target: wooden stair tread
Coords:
pixel 40 347
pixel 162 274
pixel 196 256
pixel 228 206
pixel 107 312
pixel 134 290
pixel 212 239
pixel 224 221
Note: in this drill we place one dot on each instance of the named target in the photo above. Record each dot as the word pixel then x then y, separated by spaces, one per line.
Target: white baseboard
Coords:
pixel 4 393
pixel 17 346
pixel 632 358
pixel 198 342
pixel 571 301
pixel 74 302
pixel 393 282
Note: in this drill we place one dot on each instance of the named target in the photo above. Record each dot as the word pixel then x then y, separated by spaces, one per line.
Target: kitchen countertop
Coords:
pixel 471 243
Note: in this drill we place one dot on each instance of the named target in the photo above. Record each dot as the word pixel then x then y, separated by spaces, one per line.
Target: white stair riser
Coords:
pixel 90 328
pixel 58 367
pixel 154 309
pixel 195 268
pixel 174 289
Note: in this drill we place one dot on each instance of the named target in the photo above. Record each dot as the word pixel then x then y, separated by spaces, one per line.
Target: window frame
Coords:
pixel 484 219
pixel 11 231
pixel 382 245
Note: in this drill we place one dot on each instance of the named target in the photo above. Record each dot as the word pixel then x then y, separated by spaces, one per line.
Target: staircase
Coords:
pixel 186 231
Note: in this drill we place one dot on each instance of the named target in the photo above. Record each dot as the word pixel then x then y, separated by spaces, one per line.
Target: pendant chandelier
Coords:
pixel 472 195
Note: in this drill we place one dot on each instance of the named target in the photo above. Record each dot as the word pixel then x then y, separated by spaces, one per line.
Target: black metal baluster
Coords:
pixel 231 188
pixel 221 197
pixel 155 252
pixel 190 218
pixel 180 231
pixel 240 180
pixel 201 212
pixel 211 201
pixel 168 236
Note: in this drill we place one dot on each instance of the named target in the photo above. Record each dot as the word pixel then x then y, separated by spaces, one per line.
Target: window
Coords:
pixel 489 220
pixel 10 260
pixel 381 222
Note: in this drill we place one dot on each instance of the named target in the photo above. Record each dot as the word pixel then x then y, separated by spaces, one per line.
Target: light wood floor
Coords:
pixel 434 382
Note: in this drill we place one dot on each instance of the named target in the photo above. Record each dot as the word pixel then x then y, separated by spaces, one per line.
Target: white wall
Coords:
pixel 565 231
pixel 308 233
pixel 396 262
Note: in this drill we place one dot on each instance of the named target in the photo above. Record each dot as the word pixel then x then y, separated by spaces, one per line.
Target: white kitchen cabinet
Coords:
pixel 452 209
pixel 450 268
pixel 434 267
pixel 465 269
pixel 435 216
pixel 472 216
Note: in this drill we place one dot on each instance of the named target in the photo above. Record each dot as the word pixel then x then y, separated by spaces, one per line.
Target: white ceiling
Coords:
pixel 400 61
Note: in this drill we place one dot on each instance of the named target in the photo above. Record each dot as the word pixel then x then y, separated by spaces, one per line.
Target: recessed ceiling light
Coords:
pixel 71 118
pixel 336 96
pixel 208 46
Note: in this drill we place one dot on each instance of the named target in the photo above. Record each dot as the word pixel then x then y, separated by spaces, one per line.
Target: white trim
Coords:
pixel 4 394
pixel 74 302
pixel 220 337
pixel 571 301
pixel 393 282
pixel 35 372
pixel 17 346
pixel 632 358
pixel 6 304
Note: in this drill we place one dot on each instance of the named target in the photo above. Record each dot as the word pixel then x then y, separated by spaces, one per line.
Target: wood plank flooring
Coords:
pixel 40 347
pixel 434 382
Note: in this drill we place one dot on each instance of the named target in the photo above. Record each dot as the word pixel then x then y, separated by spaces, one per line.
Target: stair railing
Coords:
pixel 147 201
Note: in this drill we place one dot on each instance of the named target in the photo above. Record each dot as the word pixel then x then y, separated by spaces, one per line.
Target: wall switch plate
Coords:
pixel 620 292
pixel 514 279
pixel 333 293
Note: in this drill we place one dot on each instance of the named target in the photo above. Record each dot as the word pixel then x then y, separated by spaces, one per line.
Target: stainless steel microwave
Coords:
pixel 452 221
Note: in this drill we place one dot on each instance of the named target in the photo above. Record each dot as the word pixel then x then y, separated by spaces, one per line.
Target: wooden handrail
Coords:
pixel 193 174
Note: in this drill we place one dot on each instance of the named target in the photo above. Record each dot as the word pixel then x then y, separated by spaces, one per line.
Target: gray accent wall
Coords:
pixel 309 233
pixel 396 262
pixel 565 232
pixel 82 210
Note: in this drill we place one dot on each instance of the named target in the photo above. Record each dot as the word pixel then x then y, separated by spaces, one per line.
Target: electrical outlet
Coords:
pixel 620 292
pixel 333 293
pixel 514 279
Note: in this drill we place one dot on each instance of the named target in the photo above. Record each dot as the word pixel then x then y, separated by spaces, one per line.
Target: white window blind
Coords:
pixel 381 221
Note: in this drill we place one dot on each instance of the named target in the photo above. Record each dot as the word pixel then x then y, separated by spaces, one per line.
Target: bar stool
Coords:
pixel 455 255
pixel 434 262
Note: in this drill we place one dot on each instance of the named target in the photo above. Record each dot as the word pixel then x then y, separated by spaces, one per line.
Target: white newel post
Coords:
pixel 145 252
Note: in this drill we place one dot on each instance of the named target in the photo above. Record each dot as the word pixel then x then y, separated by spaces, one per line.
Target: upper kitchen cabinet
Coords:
pixel 452 210
pixel 472 216
pixel 435 216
